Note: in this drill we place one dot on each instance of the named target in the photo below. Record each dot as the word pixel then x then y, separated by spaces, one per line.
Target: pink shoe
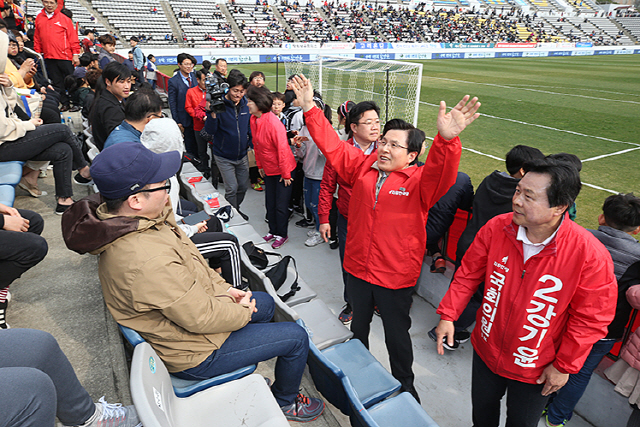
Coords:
pixel 268 237
pixel 279 242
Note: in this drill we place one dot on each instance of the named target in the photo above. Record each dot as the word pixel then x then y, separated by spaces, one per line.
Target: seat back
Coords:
pixel 151 388
pixel 132 336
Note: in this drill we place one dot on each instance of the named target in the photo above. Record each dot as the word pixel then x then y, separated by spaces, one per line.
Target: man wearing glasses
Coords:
pixel 155 281
pixel 141 107
pixel 388 211
pixel 177 89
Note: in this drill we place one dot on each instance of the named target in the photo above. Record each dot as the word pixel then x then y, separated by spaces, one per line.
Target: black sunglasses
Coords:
pixel 164 187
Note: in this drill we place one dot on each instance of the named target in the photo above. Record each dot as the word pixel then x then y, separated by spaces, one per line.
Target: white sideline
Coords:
pixel 610 154
pixel 532 90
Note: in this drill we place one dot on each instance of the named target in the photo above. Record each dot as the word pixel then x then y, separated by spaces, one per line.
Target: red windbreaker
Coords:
pixel 55 38
pixel 271 145
pixel 551 309
pixel 194 98
pixel 386 232
pixel 331 180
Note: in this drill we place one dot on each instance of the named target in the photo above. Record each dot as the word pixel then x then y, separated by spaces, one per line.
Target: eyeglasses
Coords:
pixel 393 145
pixel 370 123
pixel 167 187
pixel 156 116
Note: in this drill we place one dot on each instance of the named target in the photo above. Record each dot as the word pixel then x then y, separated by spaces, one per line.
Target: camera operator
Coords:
pixel 231 139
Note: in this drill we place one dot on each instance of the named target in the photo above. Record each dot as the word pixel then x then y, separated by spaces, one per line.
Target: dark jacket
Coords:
pixel 230 130
pixel 106 114
pixel 177 94
pixel 492 198
pixel 625 252
pixel 442 214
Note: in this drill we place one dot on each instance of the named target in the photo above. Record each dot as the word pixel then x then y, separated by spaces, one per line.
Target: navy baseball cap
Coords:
pixel 125 168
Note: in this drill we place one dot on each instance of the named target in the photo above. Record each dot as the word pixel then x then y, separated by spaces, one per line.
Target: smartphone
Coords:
pixel 195 218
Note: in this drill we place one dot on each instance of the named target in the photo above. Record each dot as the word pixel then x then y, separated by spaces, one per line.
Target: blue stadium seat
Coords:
pixel 185 388
pixel 10 175
pixel 351 359
pixel 400 410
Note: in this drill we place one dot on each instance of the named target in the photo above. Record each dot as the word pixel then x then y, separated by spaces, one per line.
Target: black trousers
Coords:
pixel 190 143
pixel 19 251
pixel 277 197
pixel 525 402
pixel 394 306
pixel 58 69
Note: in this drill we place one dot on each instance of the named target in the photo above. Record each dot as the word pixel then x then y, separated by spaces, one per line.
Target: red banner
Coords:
pixel 516 45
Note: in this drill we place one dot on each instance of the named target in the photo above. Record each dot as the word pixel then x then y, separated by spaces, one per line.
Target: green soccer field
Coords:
pixel 588 106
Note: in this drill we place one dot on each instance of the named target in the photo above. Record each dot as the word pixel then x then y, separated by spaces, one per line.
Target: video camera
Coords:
pixel 216 91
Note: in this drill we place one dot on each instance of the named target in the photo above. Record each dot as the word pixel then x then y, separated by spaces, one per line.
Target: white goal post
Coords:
pixel 393 85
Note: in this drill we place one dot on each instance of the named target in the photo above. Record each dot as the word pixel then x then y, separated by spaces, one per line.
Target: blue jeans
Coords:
pixel 258 341
pixel 37 382
pixel 562 404
pixel 311 196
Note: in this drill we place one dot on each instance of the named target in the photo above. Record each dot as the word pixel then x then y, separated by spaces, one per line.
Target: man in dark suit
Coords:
pixel 179 84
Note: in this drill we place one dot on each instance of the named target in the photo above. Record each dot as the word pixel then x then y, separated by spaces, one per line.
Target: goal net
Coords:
pixel 393 85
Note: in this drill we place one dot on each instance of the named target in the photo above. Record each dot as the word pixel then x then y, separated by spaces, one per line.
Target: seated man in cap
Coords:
pixel 155 281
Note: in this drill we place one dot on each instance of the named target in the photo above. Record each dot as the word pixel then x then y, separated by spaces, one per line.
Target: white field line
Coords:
pixel 546 127
pixel 533 90
pixel 515 86
pixel 610 154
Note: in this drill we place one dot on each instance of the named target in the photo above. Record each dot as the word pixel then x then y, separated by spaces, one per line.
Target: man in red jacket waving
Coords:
pixel 550 293
pixel 387 217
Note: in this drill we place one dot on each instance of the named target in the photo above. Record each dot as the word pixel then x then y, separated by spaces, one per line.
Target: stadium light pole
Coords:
pixel 386 101
pixel 277 71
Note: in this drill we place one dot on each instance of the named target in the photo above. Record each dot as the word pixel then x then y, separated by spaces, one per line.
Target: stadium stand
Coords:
pixel 204 23
pixel 307 23
pixel 632 25
pixel 134 18
pixel 258 23
pixel 352 23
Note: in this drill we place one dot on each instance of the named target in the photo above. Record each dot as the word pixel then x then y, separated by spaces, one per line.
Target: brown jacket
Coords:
pixel 155 281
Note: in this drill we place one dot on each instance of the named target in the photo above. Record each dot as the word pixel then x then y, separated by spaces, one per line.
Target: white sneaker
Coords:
pixel 113 415
pixel 311 233
pixel 314 240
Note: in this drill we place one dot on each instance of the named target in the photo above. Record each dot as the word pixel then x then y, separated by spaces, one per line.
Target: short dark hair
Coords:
pixel 218 60
pixel 114 205
pixel 88 31
pixel 255 74
pixel 150 56
pixel 107 39
pixel 358 110
pixel 134 39
pixel 236 78
pixel 92 77
pixel 397 124
pixel 519 155
pixel 278 95
pixel 67 12
pixel 184 56
pixel 85 59
pixel 261 96
pixel 571 159
pixel 206 65
pixel 622 212
pixel 115 71
pixel 143 102
pixel 199 74
pixel 565 182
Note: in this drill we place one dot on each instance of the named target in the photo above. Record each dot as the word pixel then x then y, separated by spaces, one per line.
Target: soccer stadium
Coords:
pixel 176 180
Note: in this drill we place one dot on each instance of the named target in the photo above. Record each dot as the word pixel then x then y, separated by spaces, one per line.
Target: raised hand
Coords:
pixel 304 92
pixel 452 124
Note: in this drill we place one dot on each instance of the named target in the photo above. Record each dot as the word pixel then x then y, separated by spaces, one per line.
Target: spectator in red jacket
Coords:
pixel 194 103
pixel 56 38
pixel 550 293
pixel 275 161
pixel 388 213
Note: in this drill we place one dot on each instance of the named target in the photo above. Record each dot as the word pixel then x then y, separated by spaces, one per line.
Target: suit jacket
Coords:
pixel 177 96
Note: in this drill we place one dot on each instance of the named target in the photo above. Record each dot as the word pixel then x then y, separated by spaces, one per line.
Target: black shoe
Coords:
pixel 305 223
pixel 334 244
pixel 79 179
pixel 298 209
pixel 3 313
pixel 243 215
pixel 60 209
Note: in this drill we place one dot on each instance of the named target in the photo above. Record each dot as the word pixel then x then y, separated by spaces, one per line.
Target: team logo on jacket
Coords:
pixel 399 192
pixel 502 265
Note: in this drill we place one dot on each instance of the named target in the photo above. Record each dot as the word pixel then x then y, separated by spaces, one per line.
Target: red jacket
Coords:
pixel 386 233
pixel 551 309
pixel 271 146
pixel 56 38
pixel 331 180
pixel 195 95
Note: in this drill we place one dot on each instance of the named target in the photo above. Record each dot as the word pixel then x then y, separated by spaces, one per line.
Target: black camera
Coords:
pixel 216 90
